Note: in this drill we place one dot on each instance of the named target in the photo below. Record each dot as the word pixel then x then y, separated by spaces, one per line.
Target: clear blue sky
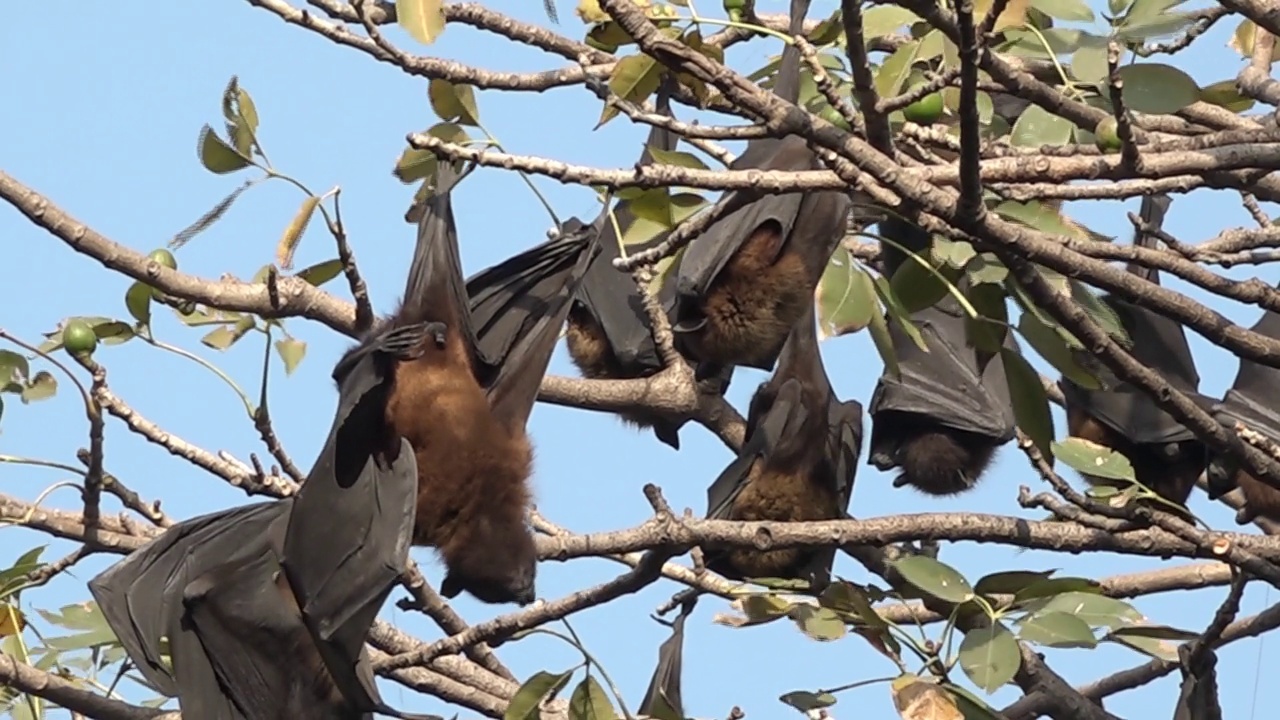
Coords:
pixel 102 105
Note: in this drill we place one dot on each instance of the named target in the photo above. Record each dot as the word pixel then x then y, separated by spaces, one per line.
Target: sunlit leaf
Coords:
pixel 1226 95
pixel 321 273
pixel 1037 126
pixel 41 387
pixel 805 701
pixel 137 299
pixel 677 158
pixel 634 78
pixel 217 156
pixel 1056 586
pixel 1073 10
pixel 1051 346
pixel 846 297
pixel 422 19
pixel 1057 629
pixel 524 704
pixel 291 351
pixel 590 702
pixel 819 623
pixel 882 20
pixel 1096 610
pixel 895 69
pixel 453 102
pixel 1030 402
pixel 1090 458
pixel 921 699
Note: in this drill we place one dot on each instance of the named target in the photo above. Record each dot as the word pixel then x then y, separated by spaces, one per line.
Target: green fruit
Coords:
pixel 732 5
pixel 78 338
pixel 1107 135
pixel 926 110
pixel 833 116
pixel 164 257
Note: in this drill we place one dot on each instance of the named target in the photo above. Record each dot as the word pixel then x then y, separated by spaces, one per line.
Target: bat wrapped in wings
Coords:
pixel 744 283
pixel 1254 399
pixel 798 463
pixel 1166 456
pixel 463 401
pixel 943 418
pixel 609 332
pixel 266 607
pixel 663 699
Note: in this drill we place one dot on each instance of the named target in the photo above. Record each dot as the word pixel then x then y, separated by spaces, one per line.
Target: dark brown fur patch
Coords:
pixel 1172 481
pixel 754 302
pixel 472 494
pixel 942 461
pixel 1261 500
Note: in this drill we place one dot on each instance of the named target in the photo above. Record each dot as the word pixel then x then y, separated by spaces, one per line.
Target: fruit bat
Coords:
pixel 609 333
pixel 744 283
pixel 662 700
pixel 1251 400
pixel 1198 697
pixel 943 418
pixel 462 403
pixel 1166 456
pixel 797 464
pixel 266 607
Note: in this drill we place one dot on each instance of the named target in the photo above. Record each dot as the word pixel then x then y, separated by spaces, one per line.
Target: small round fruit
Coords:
pixel 833 116
pixel 78 338
pixel 926 110
pixel 164 257
pixel 1107 135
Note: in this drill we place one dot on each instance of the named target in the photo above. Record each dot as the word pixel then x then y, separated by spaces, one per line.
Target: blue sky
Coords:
pixel 102 110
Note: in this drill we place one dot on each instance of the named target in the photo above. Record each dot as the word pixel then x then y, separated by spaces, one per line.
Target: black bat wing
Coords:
pixel 707 255
pixel 1161 344
pixel 844 445
pixel 1198 697
pixel 1254 398
pixel 944 384
pixel 435 283
pixel 348 536
pixel 137 595
pixel 517 308
pixel 663 700
pixel 782 420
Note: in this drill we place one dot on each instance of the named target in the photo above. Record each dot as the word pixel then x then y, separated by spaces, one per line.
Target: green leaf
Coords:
pixel 1010 582
pixel 293 231
pixel 41 387
pixel 415 164
pixel 916 285
pixel 1100 312
pixel 805 701
pixel 1162 26
pixel 1073 10
pixel 819 623
pixel 422 19
pixel 209 218
pixel 113 332
pixel 895 69
pixel 934 577
pixel 955 253
pixel 989 656
pixel 1096 610
pixel 987 332
pixel 291 352
pixel 1226 95
pixel 1030 403
pixel 634 78
pixel 846 297
pixel 13 367
pixel 241 116
pixel 1057 629
pixel 1045 44
pixel 1157 88
pixel 589 702
pixel 524 704
pixel 224 337
pixel 761 607
pixel 1051 346
pixel 453 102
pixel 827 31
pixel 898 312
pixel 1037 126
pixel 1152 640
pixel 1089 62
pixel 1090 458
pixel 217 156
pixel 138 301
pixel 321 273
pixel 971 706
pixel 882 20
pixel 676 157
pixel 879 328
pixel 1056 586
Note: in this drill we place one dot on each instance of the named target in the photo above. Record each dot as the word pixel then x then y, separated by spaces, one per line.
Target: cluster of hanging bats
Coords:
pixel 266 607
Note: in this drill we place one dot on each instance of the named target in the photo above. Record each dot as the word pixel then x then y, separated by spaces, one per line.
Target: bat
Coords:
pixel 262 621
pixel 1166 456
pixel 662 700
pixel 744 283
pixel 1198 696
pixel 1249 401
pixel 942 419
pixel 463 403
pixel 609 333
pixel 797 463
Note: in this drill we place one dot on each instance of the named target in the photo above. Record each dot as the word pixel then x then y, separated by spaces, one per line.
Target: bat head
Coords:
pixel 1221 474
pixel 498 565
